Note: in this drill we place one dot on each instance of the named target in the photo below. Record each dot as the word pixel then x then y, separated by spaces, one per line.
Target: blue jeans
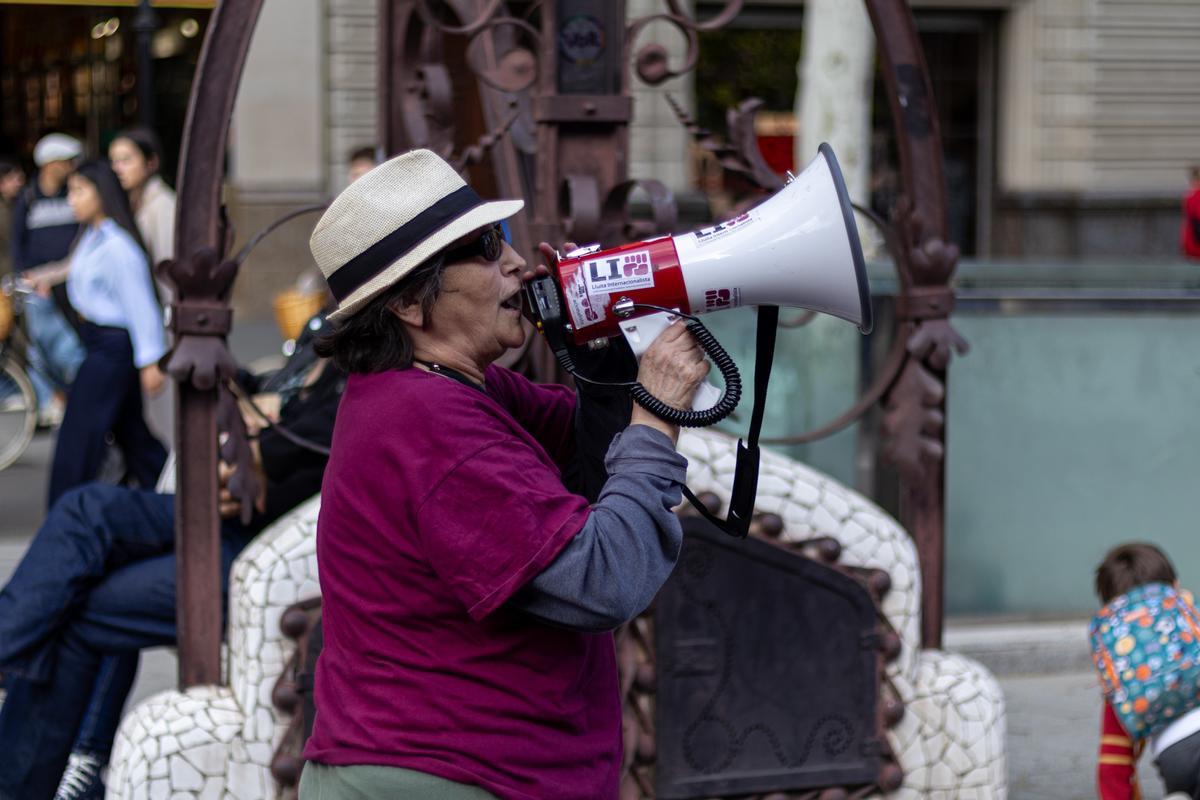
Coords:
pixel 98 581
pixel 57 351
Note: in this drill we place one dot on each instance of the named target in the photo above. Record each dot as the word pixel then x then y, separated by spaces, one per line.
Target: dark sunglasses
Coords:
pixel 490 245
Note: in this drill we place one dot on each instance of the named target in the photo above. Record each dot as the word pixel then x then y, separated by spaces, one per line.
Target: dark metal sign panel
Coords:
pixel 768 672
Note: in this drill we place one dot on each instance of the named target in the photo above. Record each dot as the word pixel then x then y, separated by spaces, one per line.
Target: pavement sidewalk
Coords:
pixel 1052 699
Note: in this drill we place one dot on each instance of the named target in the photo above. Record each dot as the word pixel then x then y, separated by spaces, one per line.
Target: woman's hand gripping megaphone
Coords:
pixel 671 365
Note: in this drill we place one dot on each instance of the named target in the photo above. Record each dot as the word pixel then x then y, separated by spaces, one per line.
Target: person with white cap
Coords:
pixel 468 597
pixel 43 230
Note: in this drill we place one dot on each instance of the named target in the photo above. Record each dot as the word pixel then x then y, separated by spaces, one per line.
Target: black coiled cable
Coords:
pixel 683 418
pixel 709 416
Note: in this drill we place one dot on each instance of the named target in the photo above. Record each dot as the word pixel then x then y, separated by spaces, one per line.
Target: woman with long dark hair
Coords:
pixel 109 285
pixel 136 156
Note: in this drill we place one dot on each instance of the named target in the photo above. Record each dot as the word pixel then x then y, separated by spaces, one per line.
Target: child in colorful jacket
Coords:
pixel 1146 647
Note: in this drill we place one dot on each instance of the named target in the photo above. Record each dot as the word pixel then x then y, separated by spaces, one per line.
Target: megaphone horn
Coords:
pixel 799 248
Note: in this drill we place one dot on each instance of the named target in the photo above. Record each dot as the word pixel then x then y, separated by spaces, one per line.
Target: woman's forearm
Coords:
pixel 626 550
pixel 641 416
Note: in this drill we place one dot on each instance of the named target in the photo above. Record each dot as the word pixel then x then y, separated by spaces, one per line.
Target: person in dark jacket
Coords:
pixel 12 185
pixel 97 585
pixel 43 230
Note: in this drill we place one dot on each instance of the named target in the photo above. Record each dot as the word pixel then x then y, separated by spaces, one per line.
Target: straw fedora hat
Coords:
pixel 391 220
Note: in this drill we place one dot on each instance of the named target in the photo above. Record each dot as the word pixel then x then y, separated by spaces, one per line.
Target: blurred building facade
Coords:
pixel 307 98
pixel 1096 123
pixel 1069 124
pixel 73 67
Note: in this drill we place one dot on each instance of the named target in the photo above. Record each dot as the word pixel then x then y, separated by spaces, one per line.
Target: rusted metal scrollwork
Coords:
pixel 421 46
pixel 293 693
pixel 915 406
pixel 740 155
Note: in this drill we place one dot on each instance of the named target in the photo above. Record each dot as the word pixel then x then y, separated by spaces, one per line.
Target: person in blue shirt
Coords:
pixel 121 326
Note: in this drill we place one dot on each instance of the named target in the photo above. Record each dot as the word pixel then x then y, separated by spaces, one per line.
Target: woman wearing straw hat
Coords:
pixel 468 597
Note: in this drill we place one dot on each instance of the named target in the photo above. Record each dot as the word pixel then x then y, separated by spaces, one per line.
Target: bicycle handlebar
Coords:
pixel 15 285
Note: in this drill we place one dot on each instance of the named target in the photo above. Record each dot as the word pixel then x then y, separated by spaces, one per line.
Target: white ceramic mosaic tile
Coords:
pixel 216 743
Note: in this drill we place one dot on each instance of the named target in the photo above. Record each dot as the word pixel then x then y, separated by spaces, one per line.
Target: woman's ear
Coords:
pixel 409 313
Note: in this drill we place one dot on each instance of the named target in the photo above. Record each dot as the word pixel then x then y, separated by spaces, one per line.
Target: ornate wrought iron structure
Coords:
pixel 200 319
pixel 566 154
pixel 553 130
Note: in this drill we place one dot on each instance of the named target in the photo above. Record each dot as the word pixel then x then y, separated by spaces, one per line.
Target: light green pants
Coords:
pixel 370 782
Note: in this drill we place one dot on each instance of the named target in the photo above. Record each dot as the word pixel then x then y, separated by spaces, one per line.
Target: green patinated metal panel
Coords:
pixel 815 378
pixel 1072 424
pixel 1067 433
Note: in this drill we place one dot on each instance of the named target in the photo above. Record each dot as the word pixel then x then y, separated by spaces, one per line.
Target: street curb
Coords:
pixel 1038 648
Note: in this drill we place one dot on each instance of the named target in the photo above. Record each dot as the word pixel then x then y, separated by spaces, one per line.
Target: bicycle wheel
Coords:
pixel 18 412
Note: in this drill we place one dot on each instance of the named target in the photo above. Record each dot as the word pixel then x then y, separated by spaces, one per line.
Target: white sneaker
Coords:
pixel 81 779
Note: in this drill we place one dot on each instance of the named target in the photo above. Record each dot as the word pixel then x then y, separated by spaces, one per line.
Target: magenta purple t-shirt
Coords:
pixel 440 502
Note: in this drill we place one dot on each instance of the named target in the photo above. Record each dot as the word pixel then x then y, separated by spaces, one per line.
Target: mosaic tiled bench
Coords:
pixel 218 742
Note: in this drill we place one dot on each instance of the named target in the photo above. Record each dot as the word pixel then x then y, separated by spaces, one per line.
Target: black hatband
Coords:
pixel 370 262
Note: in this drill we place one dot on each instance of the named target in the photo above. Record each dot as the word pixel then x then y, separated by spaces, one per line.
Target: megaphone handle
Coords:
pixel 641 332
pixel 698 419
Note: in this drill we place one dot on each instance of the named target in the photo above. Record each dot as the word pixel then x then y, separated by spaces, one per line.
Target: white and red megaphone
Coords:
pixel 799 248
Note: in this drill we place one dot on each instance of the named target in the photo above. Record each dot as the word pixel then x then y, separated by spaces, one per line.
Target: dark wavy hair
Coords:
pixel 147 143
pixel 1128 566
pixel 113 199
pixel 373 339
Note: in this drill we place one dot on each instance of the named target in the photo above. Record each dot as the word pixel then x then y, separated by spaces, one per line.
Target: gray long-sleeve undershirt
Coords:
pixel 626 550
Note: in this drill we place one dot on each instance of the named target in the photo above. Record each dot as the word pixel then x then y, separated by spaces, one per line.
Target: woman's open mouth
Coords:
pixel 512 302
